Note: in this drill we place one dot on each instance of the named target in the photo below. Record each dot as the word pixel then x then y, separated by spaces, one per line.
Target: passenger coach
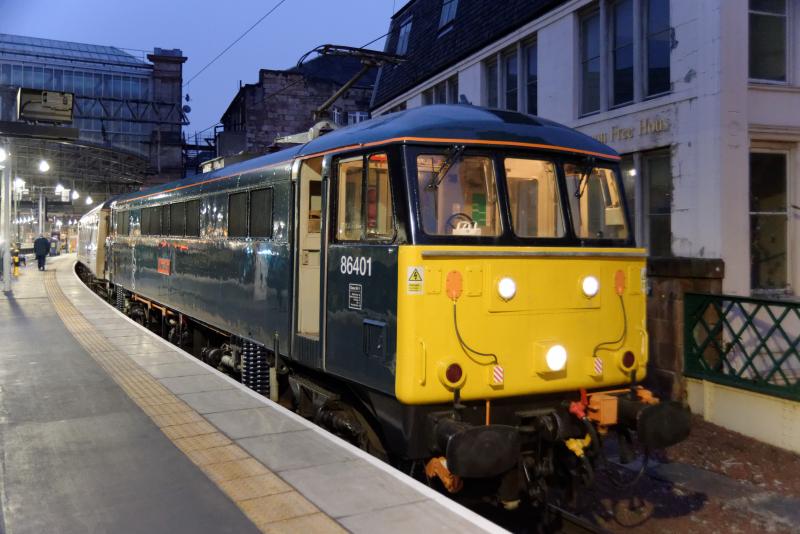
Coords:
pixel 453 288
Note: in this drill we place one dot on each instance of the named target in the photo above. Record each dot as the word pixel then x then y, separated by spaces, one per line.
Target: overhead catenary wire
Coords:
pixel 248 30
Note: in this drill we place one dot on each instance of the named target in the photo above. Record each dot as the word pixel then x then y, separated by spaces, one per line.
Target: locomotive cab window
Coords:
pixel 364 207
pixel 595 202
pixel 533 198
pixel 458 194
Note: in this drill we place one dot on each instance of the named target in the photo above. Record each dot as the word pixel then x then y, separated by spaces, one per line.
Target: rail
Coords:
pixel 744 342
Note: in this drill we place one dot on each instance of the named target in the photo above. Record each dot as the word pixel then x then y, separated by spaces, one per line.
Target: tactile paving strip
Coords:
pixel 270 503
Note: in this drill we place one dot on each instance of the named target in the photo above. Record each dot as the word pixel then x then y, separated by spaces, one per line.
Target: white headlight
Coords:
pixel 556 358
pixel 506 288
pixel 590 286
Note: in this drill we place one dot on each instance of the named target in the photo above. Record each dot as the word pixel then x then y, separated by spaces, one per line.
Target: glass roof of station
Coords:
pixel 35 49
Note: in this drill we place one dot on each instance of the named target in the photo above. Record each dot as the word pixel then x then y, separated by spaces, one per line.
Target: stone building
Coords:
pixel 702 100
pixel 282 102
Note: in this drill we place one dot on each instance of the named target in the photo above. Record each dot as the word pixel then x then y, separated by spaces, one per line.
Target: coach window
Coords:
pixel 193 218
pixel 177 219
pixel 237 215
pixel 533 198
pixel 364 200
pixel 458 195
pixel 261 213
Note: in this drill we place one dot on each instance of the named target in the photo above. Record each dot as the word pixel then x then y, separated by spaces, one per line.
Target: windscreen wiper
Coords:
pixel 452 157
pixel 586 170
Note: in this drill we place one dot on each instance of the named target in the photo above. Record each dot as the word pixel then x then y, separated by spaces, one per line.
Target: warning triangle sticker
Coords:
pixel 415 277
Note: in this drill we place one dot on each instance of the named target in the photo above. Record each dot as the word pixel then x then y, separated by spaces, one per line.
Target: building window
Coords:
pixel 531 77
pixel 590 63
pixel 768 221
pixel 768 40
pixel 491 84
pixel 510 70
pixel 658 202
pixel 448 12
pixel 402 39
pixel 354 117
pixel 511 79
pixel 636 62
pixel 658 44
pixel 622 52
pixel 444 92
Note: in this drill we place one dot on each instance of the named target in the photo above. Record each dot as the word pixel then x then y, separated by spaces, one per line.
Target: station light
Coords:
pixel 19 183
pixel 3 154
pixel 556 358
pixel 44 166
pixel 59 188
pixel 89 199
pixel 75 195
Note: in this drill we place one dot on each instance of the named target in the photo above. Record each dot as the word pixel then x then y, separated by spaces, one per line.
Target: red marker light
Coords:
pixel 628 360
pixel 453 373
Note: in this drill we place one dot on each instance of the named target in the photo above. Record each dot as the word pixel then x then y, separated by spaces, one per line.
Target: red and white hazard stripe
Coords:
pixel 498 374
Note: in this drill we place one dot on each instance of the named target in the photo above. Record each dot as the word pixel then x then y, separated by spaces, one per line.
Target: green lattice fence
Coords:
pixel 744 342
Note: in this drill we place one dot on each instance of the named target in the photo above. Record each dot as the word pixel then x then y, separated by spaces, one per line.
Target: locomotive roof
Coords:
pixel 450 124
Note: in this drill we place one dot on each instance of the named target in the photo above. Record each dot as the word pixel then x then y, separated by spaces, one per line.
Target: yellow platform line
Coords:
pixel 270 503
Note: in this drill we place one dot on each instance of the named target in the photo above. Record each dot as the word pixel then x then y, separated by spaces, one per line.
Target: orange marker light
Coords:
pixel 619 282
pixel 454 285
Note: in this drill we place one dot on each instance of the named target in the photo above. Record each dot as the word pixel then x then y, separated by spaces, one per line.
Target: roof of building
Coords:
pixel 38 50
pixel 448 124
pixel 477 24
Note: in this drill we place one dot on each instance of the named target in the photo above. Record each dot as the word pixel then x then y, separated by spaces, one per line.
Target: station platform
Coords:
pixel 106 427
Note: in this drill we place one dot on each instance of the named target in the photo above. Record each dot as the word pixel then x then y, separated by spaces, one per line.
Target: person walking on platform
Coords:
pixel 41 247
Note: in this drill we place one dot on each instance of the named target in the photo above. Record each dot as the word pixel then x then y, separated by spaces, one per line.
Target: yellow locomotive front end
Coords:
pixel 521 328
pixel 498 322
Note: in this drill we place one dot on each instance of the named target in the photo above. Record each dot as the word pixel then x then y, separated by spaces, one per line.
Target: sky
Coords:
pixel 202 29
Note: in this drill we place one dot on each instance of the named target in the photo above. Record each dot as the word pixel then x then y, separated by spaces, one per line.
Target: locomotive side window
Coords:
pixel 177 218
pixel 193 218
pixel 458 195
pixel 364 209
pixel 123 222
pixel 379 219
pixel 533 198
pixel 164 212
pixel 349 223
pixel 237 215
pixel 595 203
pixel 261 213
pixel 146 215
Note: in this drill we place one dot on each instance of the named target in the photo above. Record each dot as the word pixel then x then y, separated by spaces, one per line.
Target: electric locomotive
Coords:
pixel 455 289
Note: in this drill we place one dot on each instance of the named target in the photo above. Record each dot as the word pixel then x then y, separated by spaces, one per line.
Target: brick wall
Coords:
pixel 670 279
